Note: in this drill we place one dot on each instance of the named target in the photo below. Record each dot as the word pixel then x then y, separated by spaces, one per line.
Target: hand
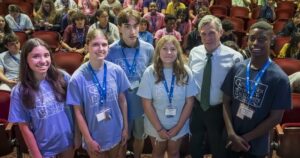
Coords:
pixel 239 143
pixel 71 49
pixel 163 134
pixel 12 83
pixel 124 136
pixel 173 131
pixel 93 148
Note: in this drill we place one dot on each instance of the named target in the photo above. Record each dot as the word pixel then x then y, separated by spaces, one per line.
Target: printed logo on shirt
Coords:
pixel 240 92
pixel 139 68
pixel 46 106
pixel 95 96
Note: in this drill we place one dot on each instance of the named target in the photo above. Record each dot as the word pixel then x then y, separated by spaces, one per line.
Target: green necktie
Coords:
pixel 205 88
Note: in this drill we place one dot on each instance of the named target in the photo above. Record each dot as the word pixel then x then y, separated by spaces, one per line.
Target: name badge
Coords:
pixel 104 115
pixel 243 111
pixel 170 111
pixel 134 84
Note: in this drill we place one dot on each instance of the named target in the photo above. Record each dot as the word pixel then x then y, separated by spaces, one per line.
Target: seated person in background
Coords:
pixel 88 8
pixel 18 21
pixel 173 6
pixel 201 13
pixel 228 34
pixel 9 62
pixel 47 18
pixel 75 34
pixel 241 3
pixel 292 49
pixel 295 82
pixel 245 53
pixel 170 21
pixel 110 6
pixel 195 6
pixel 160 4
pixel 110 30
pixel 183 25
pixel 4 30
pixel 134 4
pixel 62 4
pixel 144 34
pixel 292 27
pixel 156 19
pixel 267 11
pixel 66 20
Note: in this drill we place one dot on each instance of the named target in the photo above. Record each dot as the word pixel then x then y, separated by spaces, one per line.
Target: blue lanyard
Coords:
pixel 14 58
pixel 101 89
pixel 256 80
pixel 170 93
pixel 153 22
pixel 131 68
pixel 80 36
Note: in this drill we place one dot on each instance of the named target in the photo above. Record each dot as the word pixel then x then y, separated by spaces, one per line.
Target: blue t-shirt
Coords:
pixel 273 92
pixel 143 59
pixel 146 36
pixel 158 94
pixel 49 121
pixel 83 92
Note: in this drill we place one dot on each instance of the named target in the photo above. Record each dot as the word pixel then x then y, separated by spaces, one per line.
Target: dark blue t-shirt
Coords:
pixel 273 92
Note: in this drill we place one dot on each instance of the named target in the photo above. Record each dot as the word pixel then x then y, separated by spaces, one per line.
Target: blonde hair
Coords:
pixel 178 66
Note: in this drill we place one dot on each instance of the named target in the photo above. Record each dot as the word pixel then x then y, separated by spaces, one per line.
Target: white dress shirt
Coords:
pixel 222 60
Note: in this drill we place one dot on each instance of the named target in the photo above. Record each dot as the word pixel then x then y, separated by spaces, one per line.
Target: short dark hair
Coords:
pixel 11 37
pixel 227 25
pixel 263 25
pixel 100 11
pixel 169 17
pixel 78 15
pixel 14 8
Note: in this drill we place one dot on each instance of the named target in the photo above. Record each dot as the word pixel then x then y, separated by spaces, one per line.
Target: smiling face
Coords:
pixel 39 61
pixel 168 54
pixel 98 48
pixel 129 32
pixel 210 36
pixel 259 42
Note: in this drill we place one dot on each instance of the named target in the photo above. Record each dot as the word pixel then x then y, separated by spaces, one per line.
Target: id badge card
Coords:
pixel 170 111
pixel 243 111
pixel 104 115
pixel 134 84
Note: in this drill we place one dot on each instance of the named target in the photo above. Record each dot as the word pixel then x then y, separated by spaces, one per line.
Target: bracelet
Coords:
pixel 159 130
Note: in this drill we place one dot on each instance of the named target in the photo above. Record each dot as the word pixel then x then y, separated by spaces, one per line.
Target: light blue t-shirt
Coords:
pixel 23 22
pixel 83 92
pixel 158 94
pixel 10 64
pixel 143 60
pixel 49 121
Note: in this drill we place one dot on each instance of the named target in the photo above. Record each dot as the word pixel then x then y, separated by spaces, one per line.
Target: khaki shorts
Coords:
pixel 136 127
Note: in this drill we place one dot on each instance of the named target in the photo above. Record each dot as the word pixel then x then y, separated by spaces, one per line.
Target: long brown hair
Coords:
pixel 30 85
pixel 178 66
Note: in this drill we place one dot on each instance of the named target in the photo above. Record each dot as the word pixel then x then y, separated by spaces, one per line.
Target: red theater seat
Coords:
pixel 288 65
pixel 52 38
pixel 68 61
pixel 4 104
